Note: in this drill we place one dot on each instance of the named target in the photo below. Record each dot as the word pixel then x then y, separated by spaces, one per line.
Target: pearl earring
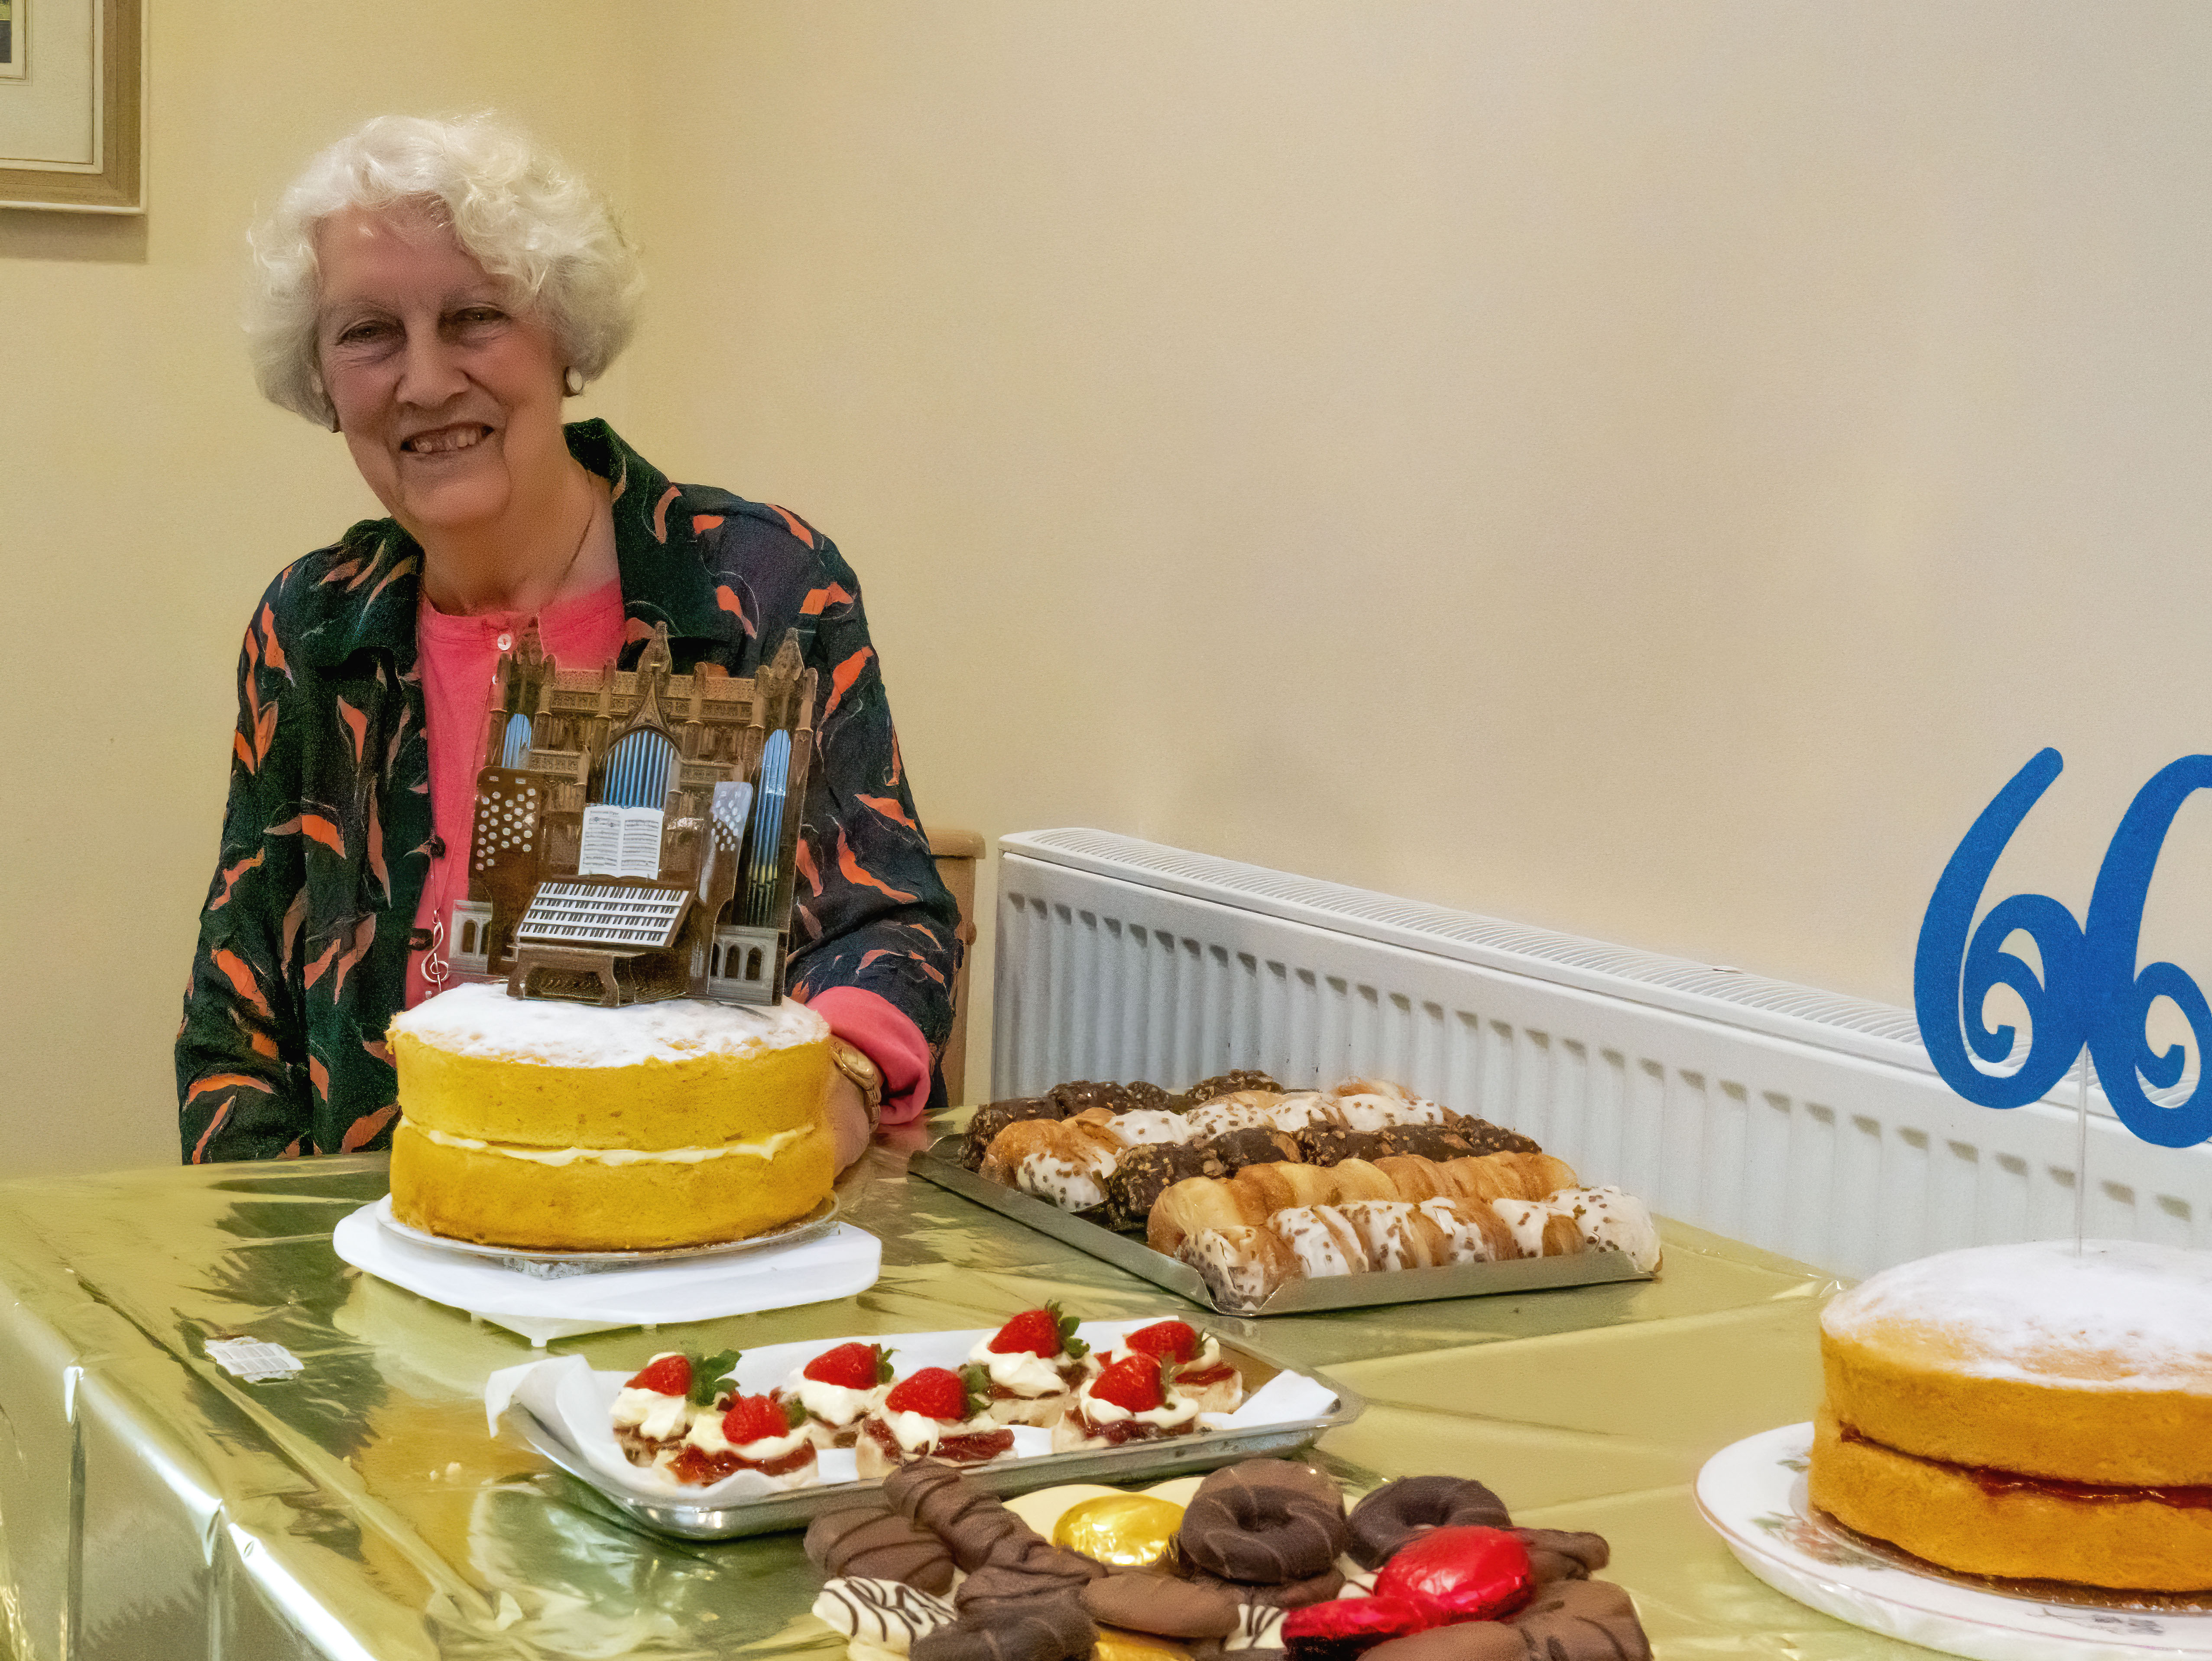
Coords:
pixel 572 382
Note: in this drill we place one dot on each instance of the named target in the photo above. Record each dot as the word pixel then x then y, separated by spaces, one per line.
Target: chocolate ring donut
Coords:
pixel 1289 1595
pixel 1263 1522
pixel 1387 1518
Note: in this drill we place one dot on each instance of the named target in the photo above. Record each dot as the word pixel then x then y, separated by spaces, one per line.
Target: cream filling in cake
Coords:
pixel 763 1147
pixel 481 1020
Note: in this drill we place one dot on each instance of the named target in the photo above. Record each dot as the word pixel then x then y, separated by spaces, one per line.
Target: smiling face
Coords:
pixel 448 394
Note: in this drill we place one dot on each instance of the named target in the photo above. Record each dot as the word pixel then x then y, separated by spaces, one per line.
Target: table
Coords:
pixel 152 1506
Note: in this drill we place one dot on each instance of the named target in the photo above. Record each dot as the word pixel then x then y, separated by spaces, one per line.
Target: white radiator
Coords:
pixel 1801 1120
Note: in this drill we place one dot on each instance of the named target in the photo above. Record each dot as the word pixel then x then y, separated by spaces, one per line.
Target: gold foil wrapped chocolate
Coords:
pixel 1121 1530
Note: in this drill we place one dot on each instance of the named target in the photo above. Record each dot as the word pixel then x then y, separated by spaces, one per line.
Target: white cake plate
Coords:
pixel 1753 1494
pixel 654 1291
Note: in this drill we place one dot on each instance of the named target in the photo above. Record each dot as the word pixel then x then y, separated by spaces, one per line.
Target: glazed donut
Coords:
pixel 1387 1518
pixel 1263 1522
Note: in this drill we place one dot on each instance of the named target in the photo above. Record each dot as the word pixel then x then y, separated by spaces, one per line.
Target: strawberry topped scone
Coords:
pixel 1134 1400
pixel 652 1412
pixel 837 1389
pixel 936 1414
pixel 1195 1360
pixel 1034 1364
pixel 753 1432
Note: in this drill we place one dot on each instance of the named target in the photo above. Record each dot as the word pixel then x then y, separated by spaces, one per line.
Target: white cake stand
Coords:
pixel 1753 1494
pixel 545 1295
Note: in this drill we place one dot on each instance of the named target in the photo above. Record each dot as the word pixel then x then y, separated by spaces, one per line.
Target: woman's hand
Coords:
pixel 848 1120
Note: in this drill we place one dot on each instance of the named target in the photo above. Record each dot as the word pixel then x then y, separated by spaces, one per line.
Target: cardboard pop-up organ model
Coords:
pixel 636 830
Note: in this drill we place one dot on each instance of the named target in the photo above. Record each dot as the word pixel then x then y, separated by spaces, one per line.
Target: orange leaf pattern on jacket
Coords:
pixel 326 838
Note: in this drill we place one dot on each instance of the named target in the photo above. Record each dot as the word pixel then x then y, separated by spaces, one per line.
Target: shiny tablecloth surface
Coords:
pixel 152 1506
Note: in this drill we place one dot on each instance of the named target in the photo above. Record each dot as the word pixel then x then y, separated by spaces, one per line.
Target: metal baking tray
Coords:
pixel 1142 1462
pixel 941 1164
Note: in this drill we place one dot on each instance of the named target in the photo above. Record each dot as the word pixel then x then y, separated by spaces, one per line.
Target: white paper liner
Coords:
pixel 575 1403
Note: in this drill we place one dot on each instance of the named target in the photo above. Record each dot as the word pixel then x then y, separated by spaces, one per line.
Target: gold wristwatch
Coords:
pixel 854 1064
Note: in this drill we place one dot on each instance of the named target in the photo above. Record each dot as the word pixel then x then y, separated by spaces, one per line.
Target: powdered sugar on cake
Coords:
pixel 2123 1315
pixel 476 1019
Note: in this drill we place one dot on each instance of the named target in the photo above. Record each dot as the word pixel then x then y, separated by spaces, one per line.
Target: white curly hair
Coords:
pixel 511 204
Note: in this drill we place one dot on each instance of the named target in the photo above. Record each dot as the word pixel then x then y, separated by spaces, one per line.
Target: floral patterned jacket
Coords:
pixel 303 946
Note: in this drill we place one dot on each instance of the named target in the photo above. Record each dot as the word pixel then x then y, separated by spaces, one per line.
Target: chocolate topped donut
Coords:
pixel 1263 1522
pixel 1257 1145
pixel 1568 1621
pixel 1387 1518
pixel 874 1542
pixel 1559 1554
pixel 987 1122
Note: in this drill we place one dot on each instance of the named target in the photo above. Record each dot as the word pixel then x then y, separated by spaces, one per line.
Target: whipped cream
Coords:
pixel 474 1018
pixel 706 1436
pixel 763 1147
pixel 1020 1370
pixel 1526 1218
pixel 651 1414
pixel 1070 1186
pixel 1320 1249
pixel 1175 1412
pixel 1152 1125
pixel 834 1404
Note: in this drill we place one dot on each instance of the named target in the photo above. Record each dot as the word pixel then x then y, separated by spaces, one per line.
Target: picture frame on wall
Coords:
pixel 72 95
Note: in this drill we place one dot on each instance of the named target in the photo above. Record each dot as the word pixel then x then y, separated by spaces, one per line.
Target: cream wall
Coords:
pixel 1652 471
pixel 147 495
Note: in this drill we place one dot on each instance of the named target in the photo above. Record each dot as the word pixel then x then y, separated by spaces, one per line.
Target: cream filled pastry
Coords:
pixel 1195 1360
pixel 837 1389
pixel 936 1414
pixel 753 1432
pixel 1134 1400
pixel 652 1413
pixel 1032 1365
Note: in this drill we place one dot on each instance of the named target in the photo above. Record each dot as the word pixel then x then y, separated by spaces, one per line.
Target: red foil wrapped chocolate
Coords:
pixel 1464 1573
pixel 1350 1626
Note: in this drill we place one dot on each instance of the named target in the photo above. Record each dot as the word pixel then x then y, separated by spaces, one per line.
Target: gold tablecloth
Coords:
pixel 152 1506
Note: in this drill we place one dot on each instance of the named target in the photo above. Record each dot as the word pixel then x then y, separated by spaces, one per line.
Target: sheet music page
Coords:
pixel 601 852
pixel 640 842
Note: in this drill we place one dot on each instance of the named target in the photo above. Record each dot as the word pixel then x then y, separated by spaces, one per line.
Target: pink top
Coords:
pixel 458 655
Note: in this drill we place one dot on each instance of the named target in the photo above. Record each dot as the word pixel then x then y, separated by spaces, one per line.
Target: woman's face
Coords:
pixel 449 396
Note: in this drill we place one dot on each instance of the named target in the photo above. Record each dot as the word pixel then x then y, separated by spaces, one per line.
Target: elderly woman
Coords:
pixel 432 291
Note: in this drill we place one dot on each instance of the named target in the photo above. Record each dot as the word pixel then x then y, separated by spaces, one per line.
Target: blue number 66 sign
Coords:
pixel 2089 992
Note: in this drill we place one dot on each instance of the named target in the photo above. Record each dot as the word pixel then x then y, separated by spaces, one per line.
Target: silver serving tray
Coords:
pixel 941 1164
pixel 1143 1462
pixel 558 1265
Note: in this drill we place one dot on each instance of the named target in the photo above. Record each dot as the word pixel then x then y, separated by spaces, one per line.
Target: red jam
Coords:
pixel 695 1464
pixel 970 1448
pixel 1191 1378
pixel 1993 1482
pixel 1118 1431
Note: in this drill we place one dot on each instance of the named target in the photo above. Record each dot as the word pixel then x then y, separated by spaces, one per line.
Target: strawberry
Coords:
pixel 665 1375
pixel 1040 1332
pixel 853 1366
pixel 937 1393
pixel 759 1419
pixel 1135 1382
pixel 1168 1340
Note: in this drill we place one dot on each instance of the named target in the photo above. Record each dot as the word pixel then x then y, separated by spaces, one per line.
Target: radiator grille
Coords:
pixel 1802 1120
